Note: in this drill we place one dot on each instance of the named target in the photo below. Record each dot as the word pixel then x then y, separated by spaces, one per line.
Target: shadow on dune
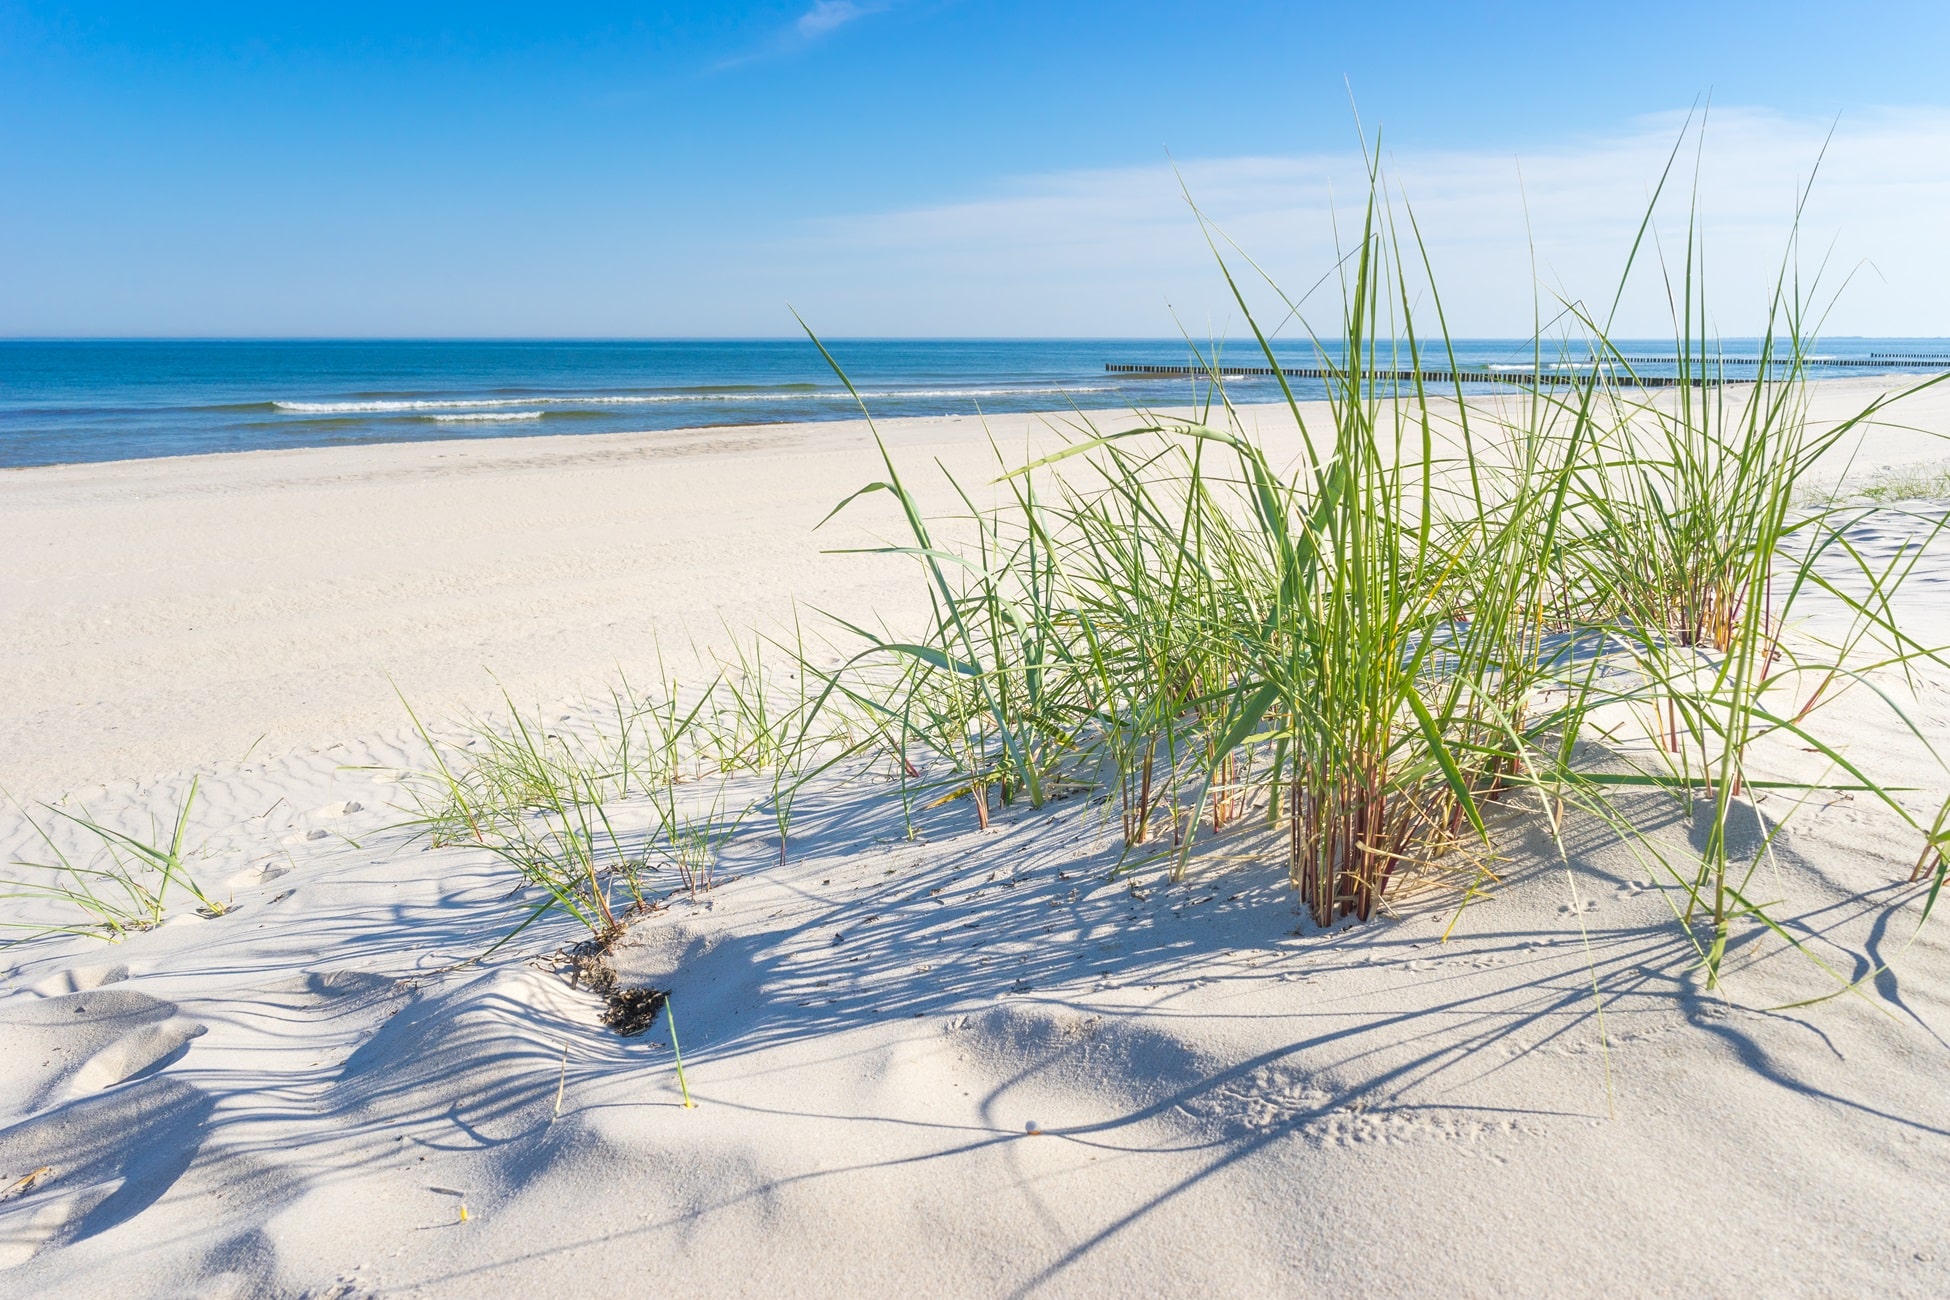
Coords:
pixel 1015 945
pixel 1069 982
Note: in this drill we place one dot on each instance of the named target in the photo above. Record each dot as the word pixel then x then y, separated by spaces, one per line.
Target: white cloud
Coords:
pixel 825 15
pixel 1086 252
pixel 1105 251
pixel 824 18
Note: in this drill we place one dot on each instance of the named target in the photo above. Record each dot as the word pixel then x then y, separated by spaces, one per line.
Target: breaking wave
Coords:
pixel 467 416
pixel 417 405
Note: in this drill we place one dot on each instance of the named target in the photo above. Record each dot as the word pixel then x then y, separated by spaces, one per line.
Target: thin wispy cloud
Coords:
pixel 826 15
pixel 1116 251
pixel 814 25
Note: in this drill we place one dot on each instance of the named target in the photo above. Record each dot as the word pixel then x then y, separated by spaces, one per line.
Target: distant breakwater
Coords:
pixel 1409 376
pixel 1701 371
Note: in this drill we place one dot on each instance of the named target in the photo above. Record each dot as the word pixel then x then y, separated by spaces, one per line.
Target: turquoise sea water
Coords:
pixel 95 400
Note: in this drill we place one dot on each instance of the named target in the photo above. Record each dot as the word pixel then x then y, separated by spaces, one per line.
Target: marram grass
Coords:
pixel 1433 612
pixel 1447 613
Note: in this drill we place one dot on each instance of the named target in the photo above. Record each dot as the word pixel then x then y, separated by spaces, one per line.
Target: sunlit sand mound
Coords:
pixel 970 1063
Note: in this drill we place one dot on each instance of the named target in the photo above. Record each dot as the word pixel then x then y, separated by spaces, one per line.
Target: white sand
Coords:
pixel 963 1065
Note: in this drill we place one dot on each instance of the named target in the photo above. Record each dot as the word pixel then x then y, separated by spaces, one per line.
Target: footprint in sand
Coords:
pixel 24 1231
pixel 79 979
pixel 108 1157
pixel 262 875
pixel 75 1044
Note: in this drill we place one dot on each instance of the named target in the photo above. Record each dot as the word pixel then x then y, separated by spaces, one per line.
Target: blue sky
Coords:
pixel 927 167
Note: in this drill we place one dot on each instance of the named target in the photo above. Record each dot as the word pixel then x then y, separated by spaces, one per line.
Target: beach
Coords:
pixel 951 1059
pixel 210 604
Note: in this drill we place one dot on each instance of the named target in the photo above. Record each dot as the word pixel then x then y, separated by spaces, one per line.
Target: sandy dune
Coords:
pixel 964 1063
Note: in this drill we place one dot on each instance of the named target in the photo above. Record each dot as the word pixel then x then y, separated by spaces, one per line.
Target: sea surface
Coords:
pixel 67 401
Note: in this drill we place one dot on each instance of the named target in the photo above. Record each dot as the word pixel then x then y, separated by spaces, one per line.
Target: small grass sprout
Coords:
pixel 677 1054
pixel 124 886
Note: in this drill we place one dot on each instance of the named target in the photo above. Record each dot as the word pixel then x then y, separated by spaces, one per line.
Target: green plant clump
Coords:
pixel 1579 592
pixel 122 888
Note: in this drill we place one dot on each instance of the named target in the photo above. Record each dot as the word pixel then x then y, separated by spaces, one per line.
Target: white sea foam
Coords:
pixel 486 415
pixel 409 406
pixel 403 406
pixel 990 392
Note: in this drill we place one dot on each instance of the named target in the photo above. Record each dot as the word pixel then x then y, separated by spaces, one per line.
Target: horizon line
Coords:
pixel 1243 340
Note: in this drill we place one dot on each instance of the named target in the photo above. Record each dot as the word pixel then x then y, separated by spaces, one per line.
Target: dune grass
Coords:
pixel 1433 612
pixel 598 810
pixel 122 886
pixel 1888 486
pixel 1450 613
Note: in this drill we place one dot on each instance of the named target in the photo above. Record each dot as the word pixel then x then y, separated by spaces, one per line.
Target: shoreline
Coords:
pixel 1854 383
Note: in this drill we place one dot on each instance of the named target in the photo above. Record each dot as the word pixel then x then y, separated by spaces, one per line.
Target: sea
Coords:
pixel 69 401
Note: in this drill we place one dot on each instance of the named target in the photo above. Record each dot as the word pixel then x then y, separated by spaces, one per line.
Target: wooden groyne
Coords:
pixel 1525 377
pixel 1561 373
pixel 1875 360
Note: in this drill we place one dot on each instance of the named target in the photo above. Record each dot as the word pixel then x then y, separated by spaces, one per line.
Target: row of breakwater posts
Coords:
pixel 1874 361
pixel 1527 377
pixel 1704 371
